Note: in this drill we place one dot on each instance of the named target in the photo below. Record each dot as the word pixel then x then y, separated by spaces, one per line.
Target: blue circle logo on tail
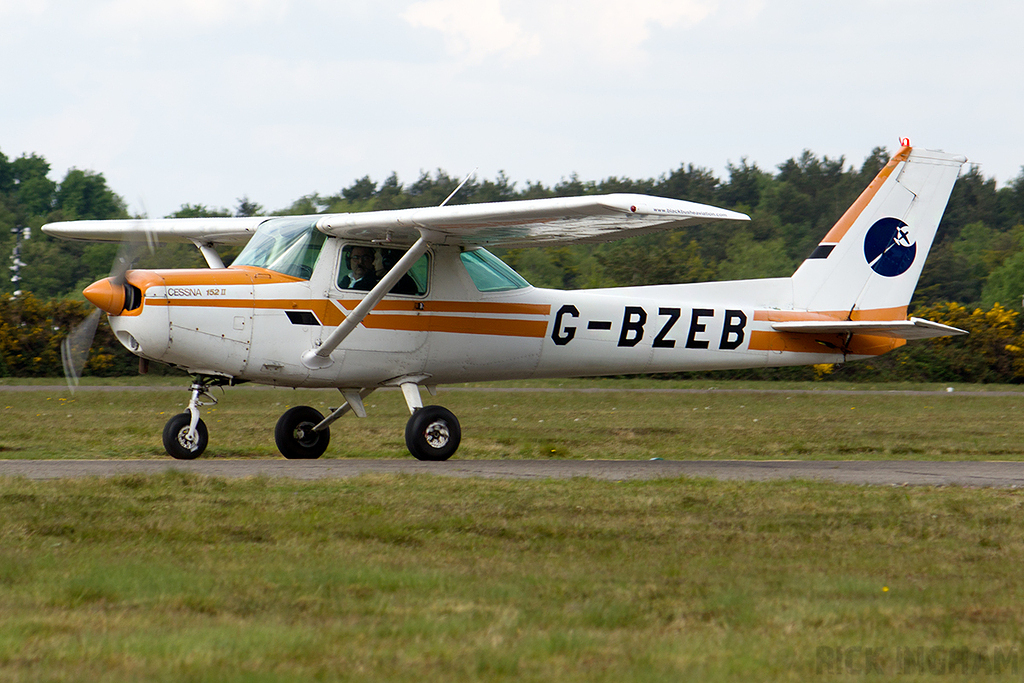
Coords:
pixel 888 247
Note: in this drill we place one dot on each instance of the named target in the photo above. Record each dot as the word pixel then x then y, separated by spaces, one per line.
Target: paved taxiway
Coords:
pixel 884 472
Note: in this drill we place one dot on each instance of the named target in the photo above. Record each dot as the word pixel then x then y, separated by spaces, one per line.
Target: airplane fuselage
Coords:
pixel 254 324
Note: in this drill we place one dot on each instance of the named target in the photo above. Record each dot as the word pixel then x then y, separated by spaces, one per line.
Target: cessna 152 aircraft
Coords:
pixel 411 298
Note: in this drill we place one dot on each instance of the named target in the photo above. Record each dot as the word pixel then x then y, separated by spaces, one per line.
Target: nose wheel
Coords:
pixel 182 442
pixel 185 434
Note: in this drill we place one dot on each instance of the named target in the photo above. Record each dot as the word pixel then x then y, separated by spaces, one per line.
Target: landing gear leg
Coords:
pixel 185 434
pixel 433 432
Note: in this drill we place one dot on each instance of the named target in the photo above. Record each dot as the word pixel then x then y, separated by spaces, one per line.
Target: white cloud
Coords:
pixel 603 31
pixel 472 29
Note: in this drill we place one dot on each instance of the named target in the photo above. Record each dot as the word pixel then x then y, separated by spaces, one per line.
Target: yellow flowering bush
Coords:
pixel 31 331
pixel 992 352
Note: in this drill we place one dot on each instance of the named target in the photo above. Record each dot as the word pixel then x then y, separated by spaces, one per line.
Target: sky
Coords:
pixel 206 101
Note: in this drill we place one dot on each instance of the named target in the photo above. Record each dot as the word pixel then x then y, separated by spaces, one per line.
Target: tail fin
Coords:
pixel 867 266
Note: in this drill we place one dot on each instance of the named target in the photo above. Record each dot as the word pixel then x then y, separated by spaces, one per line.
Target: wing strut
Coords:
pixel 209 253
pixel 320 357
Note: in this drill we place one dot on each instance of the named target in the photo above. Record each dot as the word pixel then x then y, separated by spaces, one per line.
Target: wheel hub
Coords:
pixel 305 435
pixel 185 441
pixel 437 434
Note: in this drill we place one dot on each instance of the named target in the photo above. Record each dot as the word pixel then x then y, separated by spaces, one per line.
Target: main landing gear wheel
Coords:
pixel 176 440
pixel 432 433
pixel 295 436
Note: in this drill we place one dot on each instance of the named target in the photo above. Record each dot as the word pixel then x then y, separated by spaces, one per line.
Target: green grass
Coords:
pixel 405 578
pixel 605 419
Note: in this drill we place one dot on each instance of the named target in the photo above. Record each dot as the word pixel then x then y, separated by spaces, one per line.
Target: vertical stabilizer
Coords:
pixel 868 264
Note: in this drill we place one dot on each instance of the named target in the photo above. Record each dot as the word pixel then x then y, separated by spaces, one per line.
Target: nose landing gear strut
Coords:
pixel 185 434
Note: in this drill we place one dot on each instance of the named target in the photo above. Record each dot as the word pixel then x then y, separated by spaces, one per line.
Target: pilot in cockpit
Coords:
pixel 362 274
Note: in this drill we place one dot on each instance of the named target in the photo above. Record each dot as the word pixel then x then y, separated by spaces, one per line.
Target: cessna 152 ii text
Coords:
pixel 411 298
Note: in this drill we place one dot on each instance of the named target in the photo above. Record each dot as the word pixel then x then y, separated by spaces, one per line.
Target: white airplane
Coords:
pixel 411 298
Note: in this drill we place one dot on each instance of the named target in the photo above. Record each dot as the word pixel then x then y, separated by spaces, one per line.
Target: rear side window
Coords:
pixel 489 273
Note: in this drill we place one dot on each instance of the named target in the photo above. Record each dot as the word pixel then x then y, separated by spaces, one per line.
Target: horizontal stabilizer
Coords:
pixel 915 328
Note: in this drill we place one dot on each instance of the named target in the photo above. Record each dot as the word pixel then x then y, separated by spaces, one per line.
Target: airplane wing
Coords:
pixel 530 222
pixel 915 328
pixel 195 230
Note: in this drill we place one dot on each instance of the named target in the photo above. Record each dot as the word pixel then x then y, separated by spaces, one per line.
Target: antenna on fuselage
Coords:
pixel 455 191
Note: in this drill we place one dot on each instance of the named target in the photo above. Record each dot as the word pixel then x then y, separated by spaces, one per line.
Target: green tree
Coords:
pixel 248 208
pixel 499 190
pixel 691 183
pixel 654 261
pixel 199 211
pixel 35 192
pixel 746 183
pixel 749 258
pixel 361 190
pixel 84 195
pixel 1005 284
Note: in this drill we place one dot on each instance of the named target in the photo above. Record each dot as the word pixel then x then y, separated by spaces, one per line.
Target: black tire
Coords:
pixel 295 436
pixel 433 433
pixel 176 441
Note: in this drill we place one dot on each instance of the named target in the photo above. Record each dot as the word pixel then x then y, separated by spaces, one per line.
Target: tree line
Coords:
pixel 976 263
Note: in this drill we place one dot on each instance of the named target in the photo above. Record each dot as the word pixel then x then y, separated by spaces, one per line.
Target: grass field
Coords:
pixel 178 578
pixel 416 578
pixel 597 419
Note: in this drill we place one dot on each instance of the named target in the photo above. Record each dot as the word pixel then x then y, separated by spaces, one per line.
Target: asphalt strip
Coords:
pixel 879 472
pixel 106 388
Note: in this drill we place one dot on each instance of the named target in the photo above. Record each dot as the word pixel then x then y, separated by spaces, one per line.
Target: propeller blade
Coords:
pixel 74 350
pixel 129 252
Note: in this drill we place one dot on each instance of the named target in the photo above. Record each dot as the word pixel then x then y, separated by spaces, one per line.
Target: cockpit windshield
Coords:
pixel 285 245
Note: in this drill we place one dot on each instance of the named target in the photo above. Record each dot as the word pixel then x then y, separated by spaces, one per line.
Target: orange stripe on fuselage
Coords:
pixel 421 316
pixel 843 224
pixel 795 342
pixel 494 308
pixel 774 316
pixel 501 327
pixel 803 342
pixel 398 315
pixel 203 277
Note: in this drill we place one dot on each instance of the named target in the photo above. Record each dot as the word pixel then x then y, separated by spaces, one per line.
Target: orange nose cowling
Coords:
pixel 106 296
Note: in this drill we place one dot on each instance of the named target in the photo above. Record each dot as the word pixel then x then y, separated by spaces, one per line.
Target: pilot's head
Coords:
pixel 361 261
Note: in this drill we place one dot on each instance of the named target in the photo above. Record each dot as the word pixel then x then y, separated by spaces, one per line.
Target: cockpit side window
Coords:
pixel 362 267
pixel 290 246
